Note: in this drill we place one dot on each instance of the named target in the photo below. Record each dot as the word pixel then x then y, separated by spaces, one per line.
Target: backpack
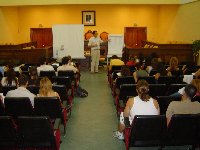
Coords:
pixel 80 92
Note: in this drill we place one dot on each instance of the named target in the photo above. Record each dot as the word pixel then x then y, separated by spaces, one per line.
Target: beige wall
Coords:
pixel 179 23
pixel 9 24
pixel 164 23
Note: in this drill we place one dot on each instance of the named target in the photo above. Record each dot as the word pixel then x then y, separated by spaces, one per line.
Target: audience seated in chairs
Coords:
pixel 10 79
pixel 21 90
pixel 161 71
pixel 45 66
pixel 185 106
pixel 142 104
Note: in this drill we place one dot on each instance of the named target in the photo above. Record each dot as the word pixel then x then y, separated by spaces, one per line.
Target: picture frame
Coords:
pixel 88 18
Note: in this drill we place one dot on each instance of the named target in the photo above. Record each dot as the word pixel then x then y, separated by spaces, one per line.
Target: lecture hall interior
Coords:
pixel 168 28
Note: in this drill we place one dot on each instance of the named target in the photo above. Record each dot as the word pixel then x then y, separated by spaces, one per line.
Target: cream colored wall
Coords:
pixel 179 23
pixel 8 25
pixel 109 18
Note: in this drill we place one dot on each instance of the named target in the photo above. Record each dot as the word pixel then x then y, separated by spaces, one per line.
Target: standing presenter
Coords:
pixel 94 43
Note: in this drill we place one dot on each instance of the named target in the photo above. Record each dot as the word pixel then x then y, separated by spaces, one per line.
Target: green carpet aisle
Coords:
pixel 93 118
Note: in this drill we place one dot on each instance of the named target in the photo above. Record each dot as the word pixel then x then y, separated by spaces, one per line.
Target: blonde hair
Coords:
pixel 173 63
pixel 196 83
pixel 45 87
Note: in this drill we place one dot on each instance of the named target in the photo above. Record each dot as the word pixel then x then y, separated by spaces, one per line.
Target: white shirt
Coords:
pixel 67 67
pixel 95 40
pixel 44 68
pixel 21 92
pixel 141 107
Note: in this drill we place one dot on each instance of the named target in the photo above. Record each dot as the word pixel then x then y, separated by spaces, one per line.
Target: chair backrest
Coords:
pixel 148 130
pixel 8 133
pixel 126 91
pixel 124 80
pixel 61 80
pixel 167 80
pixel 164 102
pixel 18 106
pixel 48 106
pixel 48 74
pixel 182 129
pixel 149 79
pixel 157 90
pixel 62 91
pixel 5 89
pixel 33 89
pixel 36 132
pixel 115 68
pixel 173 88
pixel 2 109
pixel 66 73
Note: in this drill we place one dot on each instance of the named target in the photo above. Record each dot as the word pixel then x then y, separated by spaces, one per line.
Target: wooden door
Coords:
pixel 43 36
pixel 133 36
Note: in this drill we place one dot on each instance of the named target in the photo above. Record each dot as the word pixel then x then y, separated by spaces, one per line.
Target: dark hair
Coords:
pixel 65 60
pixel 10 76
pixel 190 90
pixel 161 69
pixel 114 57
pixel 125 71
pixel 143 89
pixel 93 32
pixel 22 80
pixel 33 72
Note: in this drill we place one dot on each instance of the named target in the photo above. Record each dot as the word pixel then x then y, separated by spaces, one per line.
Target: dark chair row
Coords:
pixel 152 131
pixel 28 133
pixel 43 106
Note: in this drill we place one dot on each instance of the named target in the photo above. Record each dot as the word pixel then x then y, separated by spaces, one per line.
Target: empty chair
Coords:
pixel 157 90
pixel 146 131
pixel 69 73
pixel 18 106
pixel 38 132
pixel 8 133
pixel 164 102
pixel 50 106
pixel 182 130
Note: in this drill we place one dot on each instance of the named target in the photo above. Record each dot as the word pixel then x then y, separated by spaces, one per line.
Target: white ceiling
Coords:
pixel 54 2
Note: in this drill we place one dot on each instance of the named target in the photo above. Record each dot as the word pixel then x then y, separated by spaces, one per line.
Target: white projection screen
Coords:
pixel 68 39
pixel 115 45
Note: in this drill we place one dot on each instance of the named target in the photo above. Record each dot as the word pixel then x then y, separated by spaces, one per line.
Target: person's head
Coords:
pixel 154 63
pixel 173 63
pixel 189 92
pixel 139 66
pixel 45 86
pixel 196 83
pixel 23 80
pixel 142 88
pixel 161 69
pixel 65 60
pixel 70 58
pixel 43 61
pixel 11 76
pixel 125 71
pixel 95 33
pixel 33 73
pixel 114 57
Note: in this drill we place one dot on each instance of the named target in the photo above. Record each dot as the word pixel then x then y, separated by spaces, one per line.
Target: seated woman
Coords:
pixel 46 89
pixel 33 81
pixel 142 104
pixel 173 64
pixel 185 106
pixel 140 72
pixel 10 79
pixel 161 71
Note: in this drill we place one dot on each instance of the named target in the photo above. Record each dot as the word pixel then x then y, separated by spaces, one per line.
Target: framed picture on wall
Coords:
pixel 88 18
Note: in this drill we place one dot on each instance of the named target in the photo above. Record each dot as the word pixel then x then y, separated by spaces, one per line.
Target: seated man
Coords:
pixel 45 66
pixel 21 90
pixel 185 106
pixel 66 65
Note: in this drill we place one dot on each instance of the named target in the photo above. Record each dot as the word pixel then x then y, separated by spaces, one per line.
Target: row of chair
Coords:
pixel 152 131
pixel 129 90
pixel 28 132
pixel 43 106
